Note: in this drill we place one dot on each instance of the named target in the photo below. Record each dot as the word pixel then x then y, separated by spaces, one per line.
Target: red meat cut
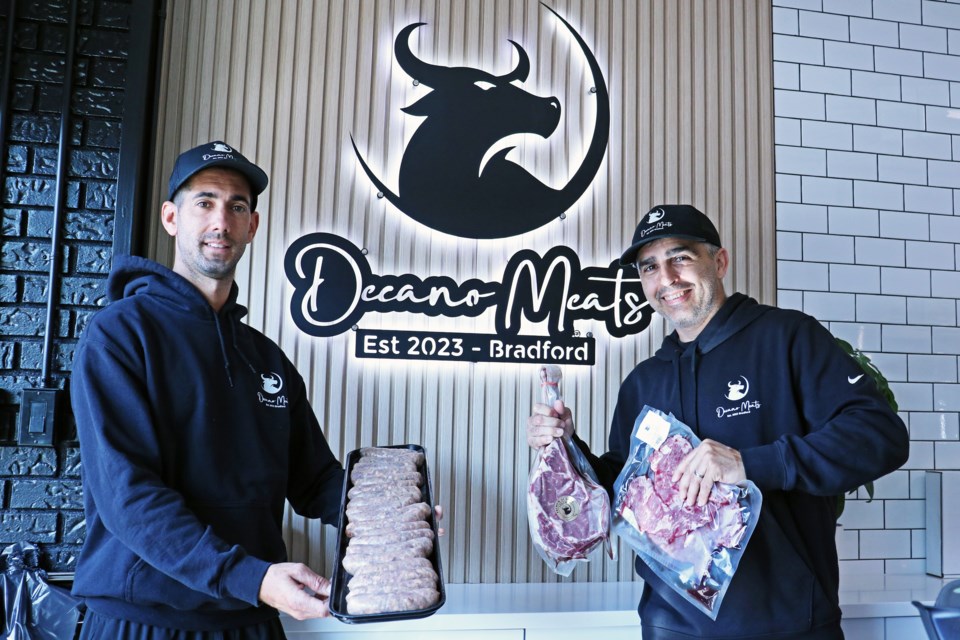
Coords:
pixel 569 513
pixel 690 535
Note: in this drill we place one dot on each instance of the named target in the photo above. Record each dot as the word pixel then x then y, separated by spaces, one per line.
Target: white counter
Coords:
pixel 875 607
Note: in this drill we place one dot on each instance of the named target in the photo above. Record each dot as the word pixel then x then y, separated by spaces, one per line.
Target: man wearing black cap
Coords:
pixel 774 400
pixel 194 429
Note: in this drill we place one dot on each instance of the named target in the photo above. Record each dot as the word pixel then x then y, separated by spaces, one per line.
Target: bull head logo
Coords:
pixel 271 383
pixel 443 181
pixel 738 390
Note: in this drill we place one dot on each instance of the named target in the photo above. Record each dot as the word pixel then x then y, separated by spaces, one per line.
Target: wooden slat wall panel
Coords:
pixel 288 81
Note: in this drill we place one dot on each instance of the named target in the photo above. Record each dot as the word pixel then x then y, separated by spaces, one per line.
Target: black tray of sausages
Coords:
pixel 338 586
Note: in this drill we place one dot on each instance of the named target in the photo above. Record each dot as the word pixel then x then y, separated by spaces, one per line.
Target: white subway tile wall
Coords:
pixel 930 255
pixel 946 340
pixel 801 217
pixel 894 486
pixel 927 199
pixel 850 164
pixel 877 32
pixel 904 514
pixel 864 336
pixel 829 306
pixel 827 248
pixel 935 311
pixel 854 222
pixel 826 135
pixel 788 76
pixel 896 10
pixel 893 365
pixel 935 426
pixel 946 397
pixel 854 279
pixel 945 284
pixel 868 218
pixel 884 309
pixel 899 61
pixel 880 251
pixel 848 7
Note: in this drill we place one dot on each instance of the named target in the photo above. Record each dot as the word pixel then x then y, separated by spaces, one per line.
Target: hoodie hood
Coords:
pixel 737 312
pixel 134 276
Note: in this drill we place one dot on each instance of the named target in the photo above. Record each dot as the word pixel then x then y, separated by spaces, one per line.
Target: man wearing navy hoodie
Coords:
pixel 194 429
pixel 774 400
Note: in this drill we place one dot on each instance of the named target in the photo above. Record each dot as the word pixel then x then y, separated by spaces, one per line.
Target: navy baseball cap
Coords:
pixel 217 154
pixel 670 221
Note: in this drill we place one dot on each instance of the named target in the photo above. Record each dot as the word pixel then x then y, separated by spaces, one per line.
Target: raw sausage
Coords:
pixel 378 528
pixel 399 490
pixel 391 537
pixel 388 478
pixel 384 452
pixel 401 601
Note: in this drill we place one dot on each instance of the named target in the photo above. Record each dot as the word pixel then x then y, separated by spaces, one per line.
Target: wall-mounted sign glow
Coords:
pixel 334 287
pixel 446 181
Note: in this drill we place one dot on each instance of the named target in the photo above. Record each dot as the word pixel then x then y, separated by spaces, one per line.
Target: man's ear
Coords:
pixel 254 225
pixel 168 217
pixel 723 262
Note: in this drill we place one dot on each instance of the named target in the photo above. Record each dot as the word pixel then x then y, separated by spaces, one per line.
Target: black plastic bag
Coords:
pixel 33 608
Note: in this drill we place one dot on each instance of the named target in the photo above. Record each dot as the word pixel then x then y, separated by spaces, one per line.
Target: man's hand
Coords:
pixel 548 423
pixel 287 586
pixel 710 462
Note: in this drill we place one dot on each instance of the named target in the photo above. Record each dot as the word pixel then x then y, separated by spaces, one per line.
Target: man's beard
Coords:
pixel 701 310
pixel 217 269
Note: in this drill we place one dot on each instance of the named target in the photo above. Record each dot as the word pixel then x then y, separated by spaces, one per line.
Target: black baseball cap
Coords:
pixel 217 154
pixel 670 221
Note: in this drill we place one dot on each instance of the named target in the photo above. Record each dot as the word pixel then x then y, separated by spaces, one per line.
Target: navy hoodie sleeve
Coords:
pixel 122 472
pixel 316 477
pixel 847 433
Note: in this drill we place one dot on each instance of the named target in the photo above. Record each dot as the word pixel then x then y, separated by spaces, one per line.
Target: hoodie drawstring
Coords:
pixel 236 347
pixel 686 377
pixel 223 350
pixel 233 326
pixel 679 378
pixel 696 405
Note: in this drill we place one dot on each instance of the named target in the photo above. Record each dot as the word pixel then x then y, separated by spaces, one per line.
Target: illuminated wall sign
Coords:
pixel 451 181
pixel 334 287
pixel 443 182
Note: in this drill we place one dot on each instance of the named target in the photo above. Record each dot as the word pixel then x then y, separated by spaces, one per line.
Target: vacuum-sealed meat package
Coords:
pixel 567 509
pixel 695 549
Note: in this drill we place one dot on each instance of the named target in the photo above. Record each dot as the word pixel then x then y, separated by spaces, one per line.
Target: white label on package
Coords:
pixel 653 430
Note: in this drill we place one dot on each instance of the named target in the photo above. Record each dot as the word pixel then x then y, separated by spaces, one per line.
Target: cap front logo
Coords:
pixel 654 216
pixel 219 146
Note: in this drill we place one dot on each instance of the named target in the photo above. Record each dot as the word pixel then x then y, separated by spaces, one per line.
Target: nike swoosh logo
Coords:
pixel 854 380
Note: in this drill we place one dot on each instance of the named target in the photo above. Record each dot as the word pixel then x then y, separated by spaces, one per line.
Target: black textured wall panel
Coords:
pixel 40 487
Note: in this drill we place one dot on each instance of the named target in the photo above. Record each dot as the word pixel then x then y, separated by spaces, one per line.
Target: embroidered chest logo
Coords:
pixel 737 391
pixel 270 386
